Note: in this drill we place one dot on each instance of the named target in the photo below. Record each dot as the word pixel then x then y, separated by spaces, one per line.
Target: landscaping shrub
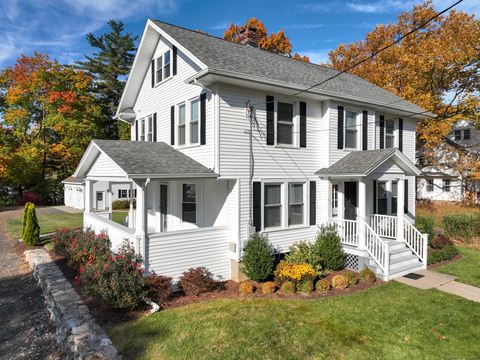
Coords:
pixel 196 281
pixel 440 240
pixel 286 271
pixel 329 246
pixel 122 204
pixel 24 217
pixel 323 285
pixel 368 275
pixel 258 257
pixel 339 282
pixel 351 277
pixel 246 288
pixel 62 241
pixel 86 246
pixel 268 287
pixel 304 252
pixel 448 252
pixel 31 230
pixel 159 287
pixel 29 197
pixel 118 278
pixel 426 225
pixel 288 287
pixel 462 226
pixel 305 287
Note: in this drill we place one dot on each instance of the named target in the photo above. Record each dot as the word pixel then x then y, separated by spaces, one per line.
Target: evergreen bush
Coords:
pixel 329 247
pixel 24 216
pixel 258 257
pixel 31 232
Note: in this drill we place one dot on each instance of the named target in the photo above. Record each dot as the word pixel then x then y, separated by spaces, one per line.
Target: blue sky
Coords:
pixel 58 27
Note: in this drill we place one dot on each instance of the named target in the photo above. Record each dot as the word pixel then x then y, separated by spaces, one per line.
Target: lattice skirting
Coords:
pixel 352 262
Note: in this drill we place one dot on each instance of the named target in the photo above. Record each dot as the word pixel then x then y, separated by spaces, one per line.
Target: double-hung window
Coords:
pixel 272 212
pixel 446 185
pixel 150 128
pixel 134 193
pixel 162 67
pixel 182 129
pixel 122 193
pixel 189 203
pixel 351 129
pixel 389 134
pixel 430 185
pixel 334 200
pixel 194 119
pixel 142 129
pixel 466 134
pixel 295 204
pixel 285 123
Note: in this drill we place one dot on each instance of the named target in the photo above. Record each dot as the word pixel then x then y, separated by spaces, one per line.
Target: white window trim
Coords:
pixel 334 210
pixel 295 127
pixel 148 128
pixel 394 134
pixel 162 55
pixel 358 125
pixel 188 105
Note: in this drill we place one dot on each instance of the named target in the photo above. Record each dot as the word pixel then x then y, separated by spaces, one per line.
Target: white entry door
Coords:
pixel 100 196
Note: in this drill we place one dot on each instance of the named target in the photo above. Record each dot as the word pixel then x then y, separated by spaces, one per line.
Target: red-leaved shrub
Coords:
pixel 196 280
pixel 159 287
pixel 29 196
pixel 87 246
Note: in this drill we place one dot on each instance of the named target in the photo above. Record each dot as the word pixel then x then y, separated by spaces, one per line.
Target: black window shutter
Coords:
pixel 270 120
pixel 174 60
pixel 203 119
pixel 400 134
pixel 119 193
pixel 303 124
pixel 405 204
pixel 172 125
pixel 155 127
pixel 136 130
pixel 257 210
pixel 374 196
pixel 365 130
pixel 313 202
pixel 382 132
pixel 340 127
pixel 153 73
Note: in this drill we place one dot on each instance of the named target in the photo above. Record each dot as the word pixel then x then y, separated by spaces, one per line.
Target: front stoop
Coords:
pixel 77 333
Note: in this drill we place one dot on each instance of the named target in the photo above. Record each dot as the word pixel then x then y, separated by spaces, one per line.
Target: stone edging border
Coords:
pixel 77 332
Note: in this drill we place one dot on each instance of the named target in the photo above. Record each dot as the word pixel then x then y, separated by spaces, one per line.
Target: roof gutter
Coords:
pixel 331 94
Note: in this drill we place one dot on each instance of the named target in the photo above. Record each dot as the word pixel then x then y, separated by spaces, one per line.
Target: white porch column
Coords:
pixel 141 220
pixel 400 206
pixel 88 196
pixel 362 213
pixel 341 201
pixel 109 199
pixel 130 211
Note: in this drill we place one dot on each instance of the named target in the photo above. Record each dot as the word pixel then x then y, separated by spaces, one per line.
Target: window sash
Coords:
pixel 429 185
pixel 159 70
pixel 295 204
pixel 194 120
pixel 166 65
pixel 150 128
pixel 466 134
pixel 446 185
pixel 351 131
pixel 285 123
pixel 181 125
pixel 272 212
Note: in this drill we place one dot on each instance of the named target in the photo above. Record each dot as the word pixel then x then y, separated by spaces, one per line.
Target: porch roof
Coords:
pixel 363 163
pixel 141 159
pixel 73 180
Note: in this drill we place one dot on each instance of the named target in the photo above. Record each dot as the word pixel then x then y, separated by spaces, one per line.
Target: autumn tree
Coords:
pixel 109 68
pixel 277 43
pixel 48 117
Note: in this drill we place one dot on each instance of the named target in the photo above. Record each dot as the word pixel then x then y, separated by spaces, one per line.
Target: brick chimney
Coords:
pixel 249 36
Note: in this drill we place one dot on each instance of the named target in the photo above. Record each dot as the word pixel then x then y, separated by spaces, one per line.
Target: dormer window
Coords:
pixel 162 67
pixel 466 134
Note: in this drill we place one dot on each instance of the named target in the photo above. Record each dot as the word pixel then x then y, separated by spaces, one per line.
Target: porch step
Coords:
pixel 400 253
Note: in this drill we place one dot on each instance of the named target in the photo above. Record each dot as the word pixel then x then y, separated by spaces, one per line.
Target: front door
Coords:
pixel 163 207
pixel 351 200
pixel 100 200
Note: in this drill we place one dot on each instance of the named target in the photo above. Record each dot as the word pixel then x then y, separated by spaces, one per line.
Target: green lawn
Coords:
pixel 48 223
pixel 119 216
pixel 467 269
pixel 393 321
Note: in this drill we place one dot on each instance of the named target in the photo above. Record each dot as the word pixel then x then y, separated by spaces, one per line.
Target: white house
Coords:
pixel 74 188
pixel 341 152
pixel 443 182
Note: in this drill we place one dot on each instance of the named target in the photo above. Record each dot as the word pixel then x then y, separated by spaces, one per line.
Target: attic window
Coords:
pixel 162 67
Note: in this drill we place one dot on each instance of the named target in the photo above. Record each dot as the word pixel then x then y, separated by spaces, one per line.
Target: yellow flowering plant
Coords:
pixel 287 271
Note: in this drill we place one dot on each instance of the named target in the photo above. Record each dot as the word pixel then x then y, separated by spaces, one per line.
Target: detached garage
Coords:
pixel 73 192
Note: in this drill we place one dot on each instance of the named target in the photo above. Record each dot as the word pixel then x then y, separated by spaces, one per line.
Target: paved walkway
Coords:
pixel 25 331
pixel 431 279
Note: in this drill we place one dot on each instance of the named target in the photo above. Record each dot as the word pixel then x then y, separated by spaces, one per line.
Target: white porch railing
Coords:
pixel 384 225
pixel 416 241
pixel 347 230
pixel 377 248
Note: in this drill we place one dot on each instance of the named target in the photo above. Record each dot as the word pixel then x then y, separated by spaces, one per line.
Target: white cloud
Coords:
pixel 59 26
pixel 316 56
pixel 376 7
pixel 304 26
pixel 222 25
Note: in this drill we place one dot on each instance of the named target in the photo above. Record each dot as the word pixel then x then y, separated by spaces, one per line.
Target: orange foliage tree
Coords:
pixel 277 43
pixel 48 117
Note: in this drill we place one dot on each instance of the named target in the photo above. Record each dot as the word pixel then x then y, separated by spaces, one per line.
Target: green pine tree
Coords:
pixel 24 216
pixel 31 235
pixel 109 68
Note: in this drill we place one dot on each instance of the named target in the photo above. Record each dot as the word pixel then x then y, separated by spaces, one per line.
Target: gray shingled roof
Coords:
pixel 358 162
pixel 152 159
pixel 219 54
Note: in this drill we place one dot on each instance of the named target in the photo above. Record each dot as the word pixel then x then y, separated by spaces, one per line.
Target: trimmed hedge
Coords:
pixel 448 252
pixel 462 226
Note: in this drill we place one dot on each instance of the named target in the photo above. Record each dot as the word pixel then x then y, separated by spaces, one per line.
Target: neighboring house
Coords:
pixel 444 182
pixel 74 188
pixel 340 153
